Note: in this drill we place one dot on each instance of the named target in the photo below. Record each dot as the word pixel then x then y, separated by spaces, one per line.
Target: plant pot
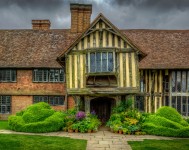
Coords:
pixel 65 130
pixel 94 131
pixel 70 130
pixel 76 131
pixel 120 132
pixel 115 131
pixel 89 131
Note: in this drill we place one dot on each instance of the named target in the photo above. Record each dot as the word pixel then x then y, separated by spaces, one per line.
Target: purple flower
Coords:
pixel 93 112
pixel 80 115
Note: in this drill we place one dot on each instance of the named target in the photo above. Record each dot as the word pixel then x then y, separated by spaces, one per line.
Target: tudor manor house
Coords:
pixel 93 66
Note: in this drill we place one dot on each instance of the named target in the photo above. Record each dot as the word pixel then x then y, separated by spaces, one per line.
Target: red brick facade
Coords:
pixel 23 90
pixel 25 86
pixel 71 102
pixel 80 17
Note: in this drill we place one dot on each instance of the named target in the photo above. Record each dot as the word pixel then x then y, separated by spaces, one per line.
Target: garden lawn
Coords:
pixel 34 142
pixel 182 144
pixel 4 125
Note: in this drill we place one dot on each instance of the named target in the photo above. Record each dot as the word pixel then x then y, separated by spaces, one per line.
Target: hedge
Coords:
pixel 166 122
pixel 37 118
pixel 171 114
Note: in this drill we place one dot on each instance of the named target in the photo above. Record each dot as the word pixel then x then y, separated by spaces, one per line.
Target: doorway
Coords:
pixel 102 106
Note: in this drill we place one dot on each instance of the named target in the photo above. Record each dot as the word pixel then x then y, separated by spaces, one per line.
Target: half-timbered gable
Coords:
pixel 102 60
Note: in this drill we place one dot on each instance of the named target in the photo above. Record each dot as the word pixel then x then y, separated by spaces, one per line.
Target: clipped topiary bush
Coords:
pixel 169 113
pixel 166 122
pixel 38 117
pixel 161 121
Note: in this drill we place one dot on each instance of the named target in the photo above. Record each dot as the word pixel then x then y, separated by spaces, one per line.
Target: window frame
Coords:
pixel 49 75
pixel 12 75
pixel 101 71
pixel 6 104
pixel 47 99
pixel 179 97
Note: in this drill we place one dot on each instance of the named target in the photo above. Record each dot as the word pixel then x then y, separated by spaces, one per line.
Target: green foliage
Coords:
pixel 4 125
pixel 36 115
pixel 37 118
pixel 166 122
pixel 71 112
pixel 123 106
pixel 161 121
pixel 129 121
pixel 20 113
pixel 169 113
pixel 153 129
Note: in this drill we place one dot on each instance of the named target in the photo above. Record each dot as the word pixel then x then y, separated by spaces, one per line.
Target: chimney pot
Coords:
pixel 41 24
pixel 80 17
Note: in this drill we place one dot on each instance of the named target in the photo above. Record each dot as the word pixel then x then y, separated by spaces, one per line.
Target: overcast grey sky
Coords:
pixel 125 14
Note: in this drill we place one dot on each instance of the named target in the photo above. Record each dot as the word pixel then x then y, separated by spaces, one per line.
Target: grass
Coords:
pixel 34 142
pixel 4 125
pixel 182 144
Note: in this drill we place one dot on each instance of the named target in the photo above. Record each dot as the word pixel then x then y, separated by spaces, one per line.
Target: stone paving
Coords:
pixel 101 140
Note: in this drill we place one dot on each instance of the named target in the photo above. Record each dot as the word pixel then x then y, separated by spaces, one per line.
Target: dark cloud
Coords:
pixel 155 4
pixel 32 4
pixel 156 14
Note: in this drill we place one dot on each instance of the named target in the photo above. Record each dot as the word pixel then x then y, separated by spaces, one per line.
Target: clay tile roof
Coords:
pixel 165 49
pixel 33 48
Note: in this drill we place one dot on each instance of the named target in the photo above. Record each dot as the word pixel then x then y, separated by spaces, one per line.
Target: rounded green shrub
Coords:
pixel 166 122
pixel 169 113
pixel 37 118
pixel 162 121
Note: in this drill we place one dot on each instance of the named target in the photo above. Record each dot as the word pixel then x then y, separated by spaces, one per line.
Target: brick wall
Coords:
pixel 71 102
pixel 20 103
pixel 25 86
pixel 23 90
pixel 80 17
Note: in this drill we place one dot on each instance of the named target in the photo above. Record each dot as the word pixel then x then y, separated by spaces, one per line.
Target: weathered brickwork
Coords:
pixel 80 17
pixel 59 108
pixel 71 102
pixel 20 103
pixel 25 86
pixel 23 90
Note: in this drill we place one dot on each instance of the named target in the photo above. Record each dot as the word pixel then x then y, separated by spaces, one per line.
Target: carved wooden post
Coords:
pixel 118 100
pixel 77 102
pixel 87 104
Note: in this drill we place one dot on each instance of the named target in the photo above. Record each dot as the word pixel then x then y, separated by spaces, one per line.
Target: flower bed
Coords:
pixel 81 122
pixel 41 117
pixel 128 122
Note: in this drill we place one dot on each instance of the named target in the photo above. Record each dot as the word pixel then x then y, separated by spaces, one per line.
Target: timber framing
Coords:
pixel 113 29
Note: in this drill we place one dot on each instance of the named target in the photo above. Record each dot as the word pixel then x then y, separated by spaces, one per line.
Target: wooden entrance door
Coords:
pixel 102 107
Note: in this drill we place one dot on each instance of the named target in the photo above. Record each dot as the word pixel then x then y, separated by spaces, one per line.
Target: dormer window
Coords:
pixel 101 62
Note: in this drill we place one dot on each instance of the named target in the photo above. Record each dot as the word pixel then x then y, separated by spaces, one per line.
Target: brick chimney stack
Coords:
pixel 41 24
pixel 80 17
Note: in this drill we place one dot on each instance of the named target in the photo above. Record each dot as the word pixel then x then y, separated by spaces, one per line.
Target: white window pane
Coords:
pixel 104 62
pixel 98 62
pixel 178 81
pixel 92 62
pixel 110 62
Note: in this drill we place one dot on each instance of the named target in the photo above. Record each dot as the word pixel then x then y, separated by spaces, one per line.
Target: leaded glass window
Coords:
pixel 52 100
pixel 48 75
pixel 100 62
pixel 179 95
pixel 5 104
pixel 7 75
